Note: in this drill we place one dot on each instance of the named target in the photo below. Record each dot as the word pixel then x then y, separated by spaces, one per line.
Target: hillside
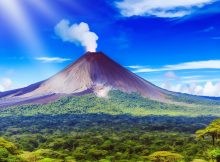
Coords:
pixel 118 103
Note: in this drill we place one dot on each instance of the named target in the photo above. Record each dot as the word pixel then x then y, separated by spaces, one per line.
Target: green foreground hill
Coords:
pixel 119 103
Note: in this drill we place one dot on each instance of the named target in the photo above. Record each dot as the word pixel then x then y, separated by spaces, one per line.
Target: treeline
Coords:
pixel 192 99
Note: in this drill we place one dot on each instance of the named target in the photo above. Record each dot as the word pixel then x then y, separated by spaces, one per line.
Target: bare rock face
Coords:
pixel 95 73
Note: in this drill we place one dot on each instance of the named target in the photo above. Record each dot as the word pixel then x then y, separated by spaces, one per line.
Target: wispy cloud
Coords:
pixel 200 80
pixel 191 77
pixel 216 38
pixel 209 29
pixel 170 75
pixel 135 67
pixel 209 64
pixel 52 59
pixel 160 8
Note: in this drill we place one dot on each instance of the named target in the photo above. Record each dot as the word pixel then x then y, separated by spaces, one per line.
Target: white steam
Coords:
pixel 78 34
pixel 5 84
pixel 101 91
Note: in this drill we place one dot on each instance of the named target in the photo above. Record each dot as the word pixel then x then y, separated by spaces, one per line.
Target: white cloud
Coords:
pixel 170 75
pixel 200 80
pixel 211 28
pixel 169 86
pixel 135 67
pixel 1 88
pixel 5 84
pixel 78 34
pixel 191 77
pixel 209 64
pixel 211 89
pixel 160 8
pixel 208 89
pixel 52 59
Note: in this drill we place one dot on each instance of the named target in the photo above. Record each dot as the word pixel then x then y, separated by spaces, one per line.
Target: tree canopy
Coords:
pixel 165 156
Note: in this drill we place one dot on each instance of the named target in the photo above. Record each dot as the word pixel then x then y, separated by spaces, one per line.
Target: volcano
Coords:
pixel 94 73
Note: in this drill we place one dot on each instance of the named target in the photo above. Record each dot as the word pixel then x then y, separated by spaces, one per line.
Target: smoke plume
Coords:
pixel 78 34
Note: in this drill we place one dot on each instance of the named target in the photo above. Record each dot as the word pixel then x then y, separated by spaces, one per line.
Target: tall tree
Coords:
pixel 212 130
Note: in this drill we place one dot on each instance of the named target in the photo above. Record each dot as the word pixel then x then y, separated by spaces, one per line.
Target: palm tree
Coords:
pixel 212 130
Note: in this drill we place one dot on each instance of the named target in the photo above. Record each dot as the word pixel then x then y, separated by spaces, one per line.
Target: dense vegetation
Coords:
pixel 104 137
pixel 117 103
pixel 8 151
pixel 120 128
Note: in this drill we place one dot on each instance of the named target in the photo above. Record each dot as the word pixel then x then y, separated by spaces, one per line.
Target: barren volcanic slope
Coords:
pixel 94 72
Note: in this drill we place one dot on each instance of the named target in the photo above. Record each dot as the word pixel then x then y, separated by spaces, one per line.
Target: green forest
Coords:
pixel 121 128
pixel 119 103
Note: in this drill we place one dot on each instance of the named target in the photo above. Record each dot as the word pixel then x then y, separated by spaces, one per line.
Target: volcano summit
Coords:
pixel 94 72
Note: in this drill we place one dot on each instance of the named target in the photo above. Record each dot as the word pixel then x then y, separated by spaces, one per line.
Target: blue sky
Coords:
pixel 174 44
